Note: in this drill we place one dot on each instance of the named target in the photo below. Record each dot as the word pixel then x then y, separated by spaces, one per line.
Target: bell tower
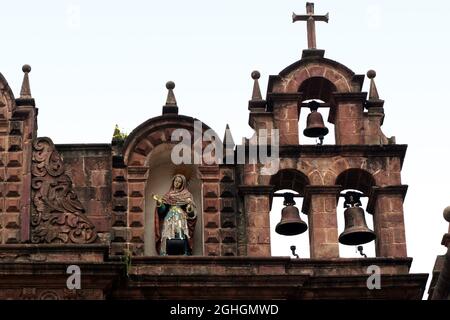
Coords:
pixel 362 162
pixel 362 158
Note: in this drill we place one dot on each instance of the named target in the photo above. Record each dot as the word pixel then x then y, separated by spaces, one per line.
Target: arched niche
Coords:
pixel 7 100
pixel 161 171
pixel 149 169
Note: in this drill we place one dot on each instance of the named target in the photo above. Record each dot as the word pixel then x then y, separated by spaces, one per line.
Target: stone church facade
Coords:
pixel 90 205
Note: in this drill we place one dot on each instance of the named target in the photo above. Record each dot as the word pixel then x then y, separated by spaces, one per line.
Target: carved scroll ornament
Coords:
pixel 57 216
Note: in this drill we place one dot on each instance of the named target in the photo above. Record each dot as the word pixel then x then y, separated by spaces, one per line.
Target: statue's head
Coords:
pixel 178 182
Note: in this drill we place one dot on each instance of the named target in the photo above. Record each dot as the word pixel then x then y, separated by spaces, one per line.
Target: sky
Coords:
pixel 98 63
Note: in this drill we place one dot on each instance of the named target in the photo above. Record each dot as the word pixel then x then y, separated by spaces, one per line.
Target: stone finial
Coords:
pixel 25 92
pixel 228 144
pixel 171 103
pixel 373 92
pixel 447 214
pixel 256 95
pixel 257 102
pixel 228 138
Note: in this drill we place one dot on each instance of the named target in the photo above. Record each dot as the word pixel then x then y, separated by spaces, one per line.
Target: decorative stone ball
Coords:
pixel 447 214
pixel 170 85
pixel 371 74
pixel 255 75
pixel 26 68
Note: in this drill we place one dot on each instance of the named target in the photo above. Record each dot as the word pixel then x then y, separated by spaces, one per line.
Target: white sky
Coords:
pixel 97 63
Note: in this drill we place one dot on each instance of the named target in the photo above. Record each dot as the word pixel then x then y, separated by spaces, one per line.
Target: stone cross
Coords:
pixel 310 19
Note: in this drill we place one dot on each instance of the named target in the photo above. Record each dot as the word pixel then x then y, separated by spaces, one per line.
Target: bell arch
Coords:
pixel 319 78
pixel 291 179
pixel 356 179
pixel 317 88
pixel 292 77
pixel 356 227
pixel 288 181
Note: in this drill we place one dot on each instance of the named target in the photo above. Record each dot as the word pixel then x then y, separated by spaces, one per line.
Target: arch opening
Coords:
pixel 290 179
pixel 293 181
pixel 317 88
pixel 361 181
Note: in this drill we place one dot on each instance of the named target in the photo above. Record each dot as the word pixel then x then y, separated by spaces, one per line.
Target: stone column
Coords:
pixel 130 199
pixel 257 200
pixel 372 126
pixel 286 113
pixel 211 212
pixel 386 204
pixel 349 120
pixel 320 204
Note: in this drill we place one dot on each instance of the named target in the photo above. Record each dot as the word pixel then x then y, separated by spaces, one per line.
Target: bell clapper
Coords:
pixel 360 250
pixel 293 248
pixel 320 142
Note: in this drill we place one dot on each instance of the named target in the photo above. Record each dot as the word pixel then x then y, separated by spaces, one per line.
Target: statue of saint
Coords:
pixel 175 219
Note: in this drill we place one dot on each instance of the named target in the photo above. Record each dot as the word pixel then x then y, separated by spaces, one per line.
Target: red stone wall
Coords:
pixel 89 166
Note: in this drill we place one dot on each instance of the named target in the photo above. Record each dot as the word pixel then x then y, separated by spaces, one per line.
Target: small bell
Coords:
pixel 356 231
pixel 291 224
pixel 315 127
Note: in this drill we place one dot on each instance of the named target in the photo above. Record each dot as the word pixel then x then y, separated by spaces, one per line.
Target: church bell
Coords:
pixel 356 231
pixel 315 127
pixel 291 224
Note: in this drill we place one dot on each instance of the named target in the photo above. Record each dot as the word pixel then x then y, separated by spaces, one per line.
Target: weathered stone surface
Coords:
pixel 104 188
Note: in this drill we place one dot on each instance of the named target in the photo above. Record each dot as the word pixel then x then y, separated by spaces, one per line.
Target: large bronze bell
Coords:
pixel 315 126
pixel 291 224
pixel 356 231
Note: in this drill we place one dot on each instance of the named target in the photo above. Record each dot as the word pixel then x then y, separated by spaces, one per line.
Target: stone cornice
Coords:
pixel 256 190
pixel 392 190
pixel 25 102
pixel 349 97
pixel 283 97
pixel 297 151
pixel 65 147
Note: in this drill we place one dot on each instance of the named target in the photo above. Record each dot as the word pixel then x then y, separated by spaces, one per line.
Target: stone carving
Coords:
pixel 57 216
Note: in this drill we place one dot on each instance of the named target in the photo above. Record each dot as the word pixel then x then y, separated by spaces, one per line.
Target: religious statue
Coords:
pixel 175 219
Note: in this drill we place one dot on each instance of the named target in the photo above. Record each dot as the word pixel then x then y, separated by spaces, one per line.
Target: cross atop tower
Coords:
pixel 310 19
